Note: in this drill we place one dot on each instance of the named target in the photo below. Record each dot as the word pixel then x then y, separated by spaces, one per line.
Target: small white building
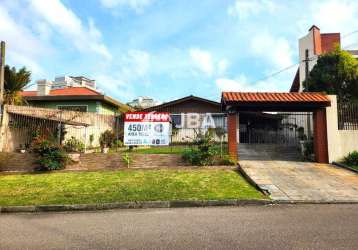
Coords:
pixel 143 102
pixel 73 81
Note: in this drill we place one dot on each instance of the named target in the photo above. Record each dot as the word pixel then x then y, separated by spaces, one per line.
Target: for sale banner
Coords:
pixel 146 128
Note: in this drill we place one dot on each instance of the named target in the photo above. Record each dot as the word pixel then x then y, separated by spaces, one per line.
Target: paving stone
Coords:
pixel 289 180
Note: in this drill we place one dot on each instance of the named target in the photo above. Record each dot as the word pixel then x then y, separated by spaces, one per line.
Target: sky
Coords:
pixel 168 49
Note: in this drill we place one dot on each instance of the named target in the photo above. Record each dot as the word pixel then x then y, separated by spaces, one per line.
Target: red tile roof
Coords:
pixel 72 91
pixel 274 97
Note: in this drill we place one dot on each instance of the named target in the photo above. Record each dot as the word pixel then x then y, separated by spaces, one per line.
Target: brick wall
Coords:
pixel 26 162
pixel 232 135
pixel 320 136
pixel 17 162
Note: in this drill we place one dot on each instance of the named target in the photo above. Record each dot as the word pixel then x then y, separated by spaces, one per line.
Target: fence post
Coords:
pixel 3 128
pixel 59 130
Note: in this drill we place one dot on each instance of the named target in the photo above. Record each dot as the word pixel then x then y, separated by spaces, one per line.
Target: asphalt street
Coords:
pixel 250 227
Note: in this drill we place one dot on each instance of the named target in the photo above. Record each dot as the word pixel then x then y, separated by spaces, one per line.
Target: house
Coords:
pixel 76 98
pixel 143 102
pixel 310 47
pixel 192 114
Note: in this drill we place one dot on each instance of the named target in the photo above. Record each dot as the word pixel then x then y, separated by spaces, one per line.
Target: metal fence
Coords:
pixel 187 126
pixel 347 116
pixel 275 128
pixel 23 123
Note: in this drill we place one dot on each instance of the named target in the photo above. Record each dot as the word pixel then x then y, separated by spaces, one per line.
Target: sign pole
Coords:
pixel 2 74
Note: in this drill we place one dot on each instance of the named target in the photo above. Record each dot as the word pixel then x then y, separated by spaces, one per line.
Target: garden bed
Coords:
pixel 121 186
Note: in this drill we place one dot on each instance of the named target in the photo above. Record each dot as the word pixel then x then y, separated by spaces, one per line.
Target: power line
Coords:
pixel 282 70
pixel 276 73
pixel 350 33
pixel 350 45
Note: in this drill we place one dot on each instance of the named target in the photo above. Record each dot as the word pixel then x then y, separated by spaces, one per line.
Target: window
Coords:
pixel 176 120
pixel 80 108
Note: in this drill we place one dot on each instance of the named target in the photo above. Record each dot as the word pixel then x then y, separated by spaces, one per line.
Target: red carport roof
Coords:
pixel 261 101
pixel 274 97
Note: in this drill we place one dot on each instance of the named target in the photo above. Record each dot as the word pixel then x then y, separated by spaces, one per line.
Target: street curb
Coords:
pixel 132 205
pixel 341 165
pixel 251 181
pixel 159 204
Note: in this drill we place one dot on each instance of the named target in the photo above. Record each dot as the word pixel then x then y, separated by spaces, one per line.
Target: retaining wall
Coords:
pixel 96 161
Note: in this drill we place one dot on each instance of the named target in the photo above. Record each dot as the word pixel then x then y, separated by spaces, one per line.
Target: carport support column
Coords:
pixel 232 135
pixel 320 136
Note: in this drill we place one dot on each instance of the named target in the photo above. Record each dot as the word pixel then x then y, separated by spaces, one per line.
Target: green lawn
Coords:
pixel 131 185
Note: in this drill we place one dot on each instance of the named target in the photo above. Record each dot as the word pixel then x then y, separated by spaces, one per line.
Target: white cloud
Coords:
pixel 275 50
pixel 336 16
pixel 115 86
pixel 136 63
pixel 222 65
pixel 246 8
pixel 205 62
pixel 129 70
pixel 23 48
pixel 280 83
pixel 65 22
pixel 240 84
pixel 137 5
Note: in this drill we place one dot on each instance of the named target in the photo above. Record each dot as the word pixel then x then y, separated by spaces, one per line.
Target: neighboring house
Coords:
pixel 82 99
pixel 183 112
pixel 310 47
pixel 73 81
pixel 143 102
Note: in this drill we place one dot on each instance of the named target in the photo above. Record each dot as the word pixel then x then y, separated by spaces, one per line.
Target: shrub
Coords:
pixel 118 144
pixel 107 139
pixel 308 149
pixel 74 145
pixel 192 156
pixel 351 159
pixel 301 134
pixel 204 152
pixel 51 156
pixel 227 161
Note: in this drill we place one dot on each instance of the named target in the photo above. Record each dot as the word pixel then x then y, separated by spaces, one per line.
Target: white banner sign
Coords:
pixel 143 128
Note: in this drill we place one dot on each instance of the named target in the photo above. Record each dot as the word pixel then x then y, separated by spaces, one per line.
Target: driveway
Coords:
pixel 302 181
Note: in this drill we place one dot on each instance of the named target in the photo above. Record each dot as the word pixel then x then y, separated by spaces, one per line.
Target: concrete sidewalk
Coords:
pixel 302 181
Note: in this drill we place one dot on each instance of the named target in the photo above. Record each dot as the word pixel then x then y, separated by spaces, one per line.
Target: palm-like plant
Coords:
pixel 15 82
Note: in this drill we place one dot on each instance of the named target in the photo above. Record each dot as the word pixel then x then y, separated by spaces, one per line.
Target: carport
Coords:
pixel 235 102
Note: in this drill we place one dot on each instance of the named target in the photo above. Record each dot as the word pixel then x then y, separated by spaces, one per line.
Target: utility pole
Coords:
pixel 307 60
pixel 2 73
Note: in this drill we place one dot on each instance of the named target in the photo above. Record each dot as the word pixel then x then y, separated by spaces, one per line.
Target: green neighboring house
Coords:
pixel 74 98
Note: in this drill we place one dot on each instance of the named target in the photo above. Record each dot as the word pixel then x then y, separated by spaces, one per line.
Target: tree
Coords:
pixel 335 73
pixel 15 82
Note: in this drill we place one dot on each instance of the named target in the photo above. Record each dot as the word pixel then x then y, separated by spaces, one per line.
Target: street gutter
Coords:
pixel 158 204
pixel 341 165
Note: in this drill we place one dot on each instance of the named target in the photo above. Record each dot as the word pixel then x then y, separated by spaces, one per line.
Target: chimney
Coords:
pixel 317 43
pixel 43 87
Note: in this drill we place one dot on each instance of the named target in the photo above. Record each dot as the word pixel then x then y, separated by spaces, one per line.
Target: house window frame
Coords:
pixel 72 105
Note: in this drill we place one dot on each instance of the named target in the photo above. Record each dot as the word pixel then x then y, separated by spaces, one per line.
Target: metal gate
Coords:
pixel 275 128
